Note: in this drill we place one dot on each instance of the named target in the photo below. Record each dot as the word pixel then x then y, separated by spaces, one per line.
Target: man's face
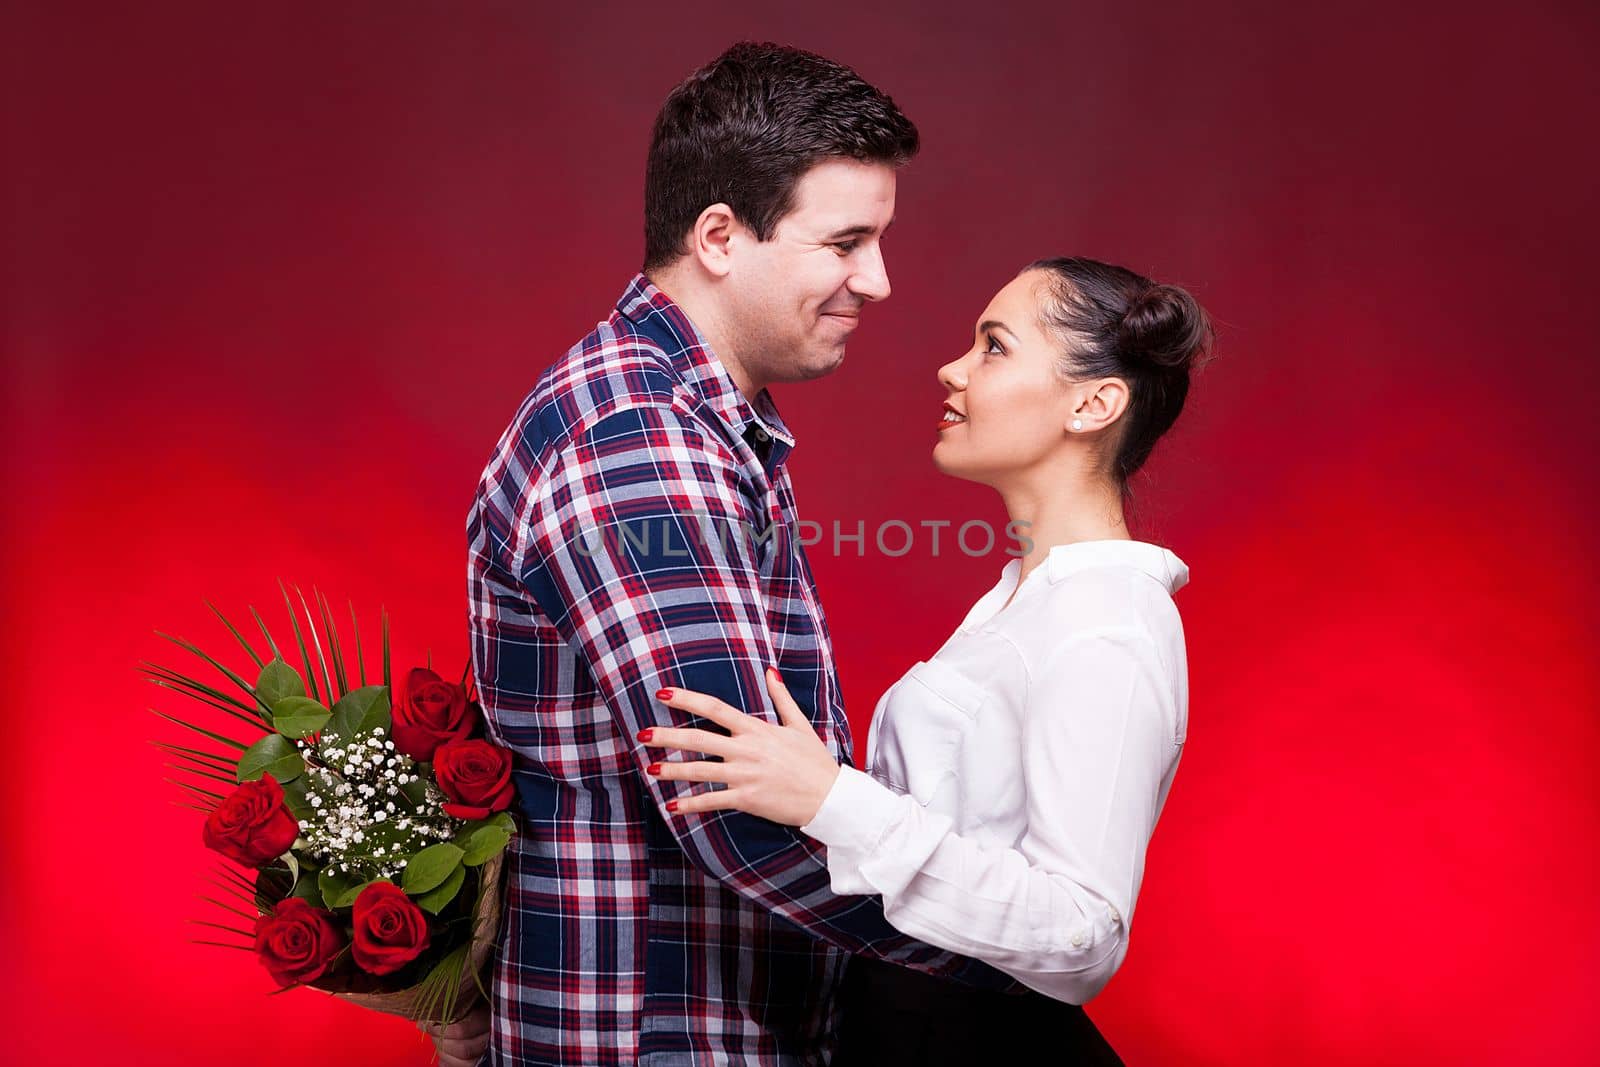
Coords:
pixel 796 298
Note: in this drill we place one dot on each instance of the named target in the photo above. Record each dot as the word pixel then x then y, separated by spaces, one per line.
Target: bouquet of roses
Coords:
pixel 372 827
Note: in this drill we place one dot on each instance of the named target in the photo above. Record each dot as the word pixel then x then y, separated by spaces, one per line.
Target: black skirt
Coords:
pixel 891 1015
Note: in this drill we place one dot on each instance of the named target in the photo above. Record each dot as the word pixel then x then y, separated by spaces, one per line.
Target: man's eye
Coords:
pixel 844 248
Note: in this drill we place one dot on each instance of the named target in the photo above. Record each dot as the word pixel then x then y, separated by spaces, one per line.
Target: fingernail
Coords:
pixel 645 735
pixel 672 805
pixel 772 672
pixel 654 768
pixel 663 694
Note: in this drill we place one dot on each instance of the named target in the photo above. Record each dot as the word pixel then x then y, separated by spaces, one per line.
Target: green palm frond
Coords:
pixel 438 993
pixel 227 929
pixel 237 892
pixel 228 871
pixel 361 662
pixel 204 793
pixel 230 742
pixel 300 639
pixel 217 760
pixel 237 635
pixel 270 642
pixel 198 773
pixel 333 641
pixel 316 643
pixel 261 710
pixel 196 690
pixel 322 661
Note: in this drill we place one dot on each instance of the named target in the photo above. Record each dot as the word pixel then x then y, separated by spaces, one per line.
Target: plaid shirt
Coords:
pixel 635 529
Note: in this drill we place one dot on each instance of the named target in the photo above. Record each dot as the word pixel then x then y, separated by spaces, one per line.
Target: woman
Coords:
pixel 1015 776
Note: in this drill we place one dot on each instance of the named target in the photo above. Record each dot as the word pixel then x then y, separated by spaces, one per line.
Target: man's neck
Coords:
pixel 691 295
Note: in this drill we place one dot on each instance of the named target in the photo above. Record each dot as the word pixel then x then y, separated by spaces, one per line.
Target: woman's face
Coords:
pixel 1015 408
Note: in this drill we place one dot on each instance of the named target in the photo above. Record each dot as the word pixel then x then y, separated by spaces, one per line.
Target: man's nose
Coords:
pixel 871 279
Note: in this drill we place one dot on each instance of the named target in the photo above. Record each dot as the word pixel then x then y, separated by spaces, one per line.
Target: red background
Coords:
pixel 276 276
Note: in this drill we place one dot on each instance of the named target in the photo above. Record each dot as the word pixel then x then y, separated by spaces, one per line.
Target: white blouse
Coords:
pixel 1016 776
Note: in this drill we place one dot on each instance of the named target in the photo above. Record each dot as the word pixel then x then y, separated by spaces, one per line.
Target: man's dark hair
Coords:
pixel 743 129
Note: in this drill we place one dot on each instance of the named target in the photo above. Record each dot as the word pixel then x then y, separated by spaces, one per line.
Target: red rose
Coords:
pixel 476 776
pixel 251 826
pixel 390 931
pixel 428 712
pixel 297 941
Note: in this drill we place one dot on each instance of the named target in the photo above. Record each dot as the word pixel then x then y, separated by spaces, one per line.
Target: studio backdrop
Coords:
pixel 276 276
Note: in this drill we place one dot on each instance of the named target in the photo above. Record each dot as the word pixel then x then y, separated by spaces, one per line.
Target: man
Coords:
pixel 635 530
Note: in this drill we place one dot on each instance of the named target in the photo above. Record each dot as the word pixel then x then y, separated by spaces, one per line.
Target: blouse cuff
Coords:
pixel 856 813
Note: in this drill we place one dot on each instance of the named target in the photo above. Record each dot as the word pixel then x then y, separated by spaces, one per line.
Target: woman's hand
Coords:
pixel 782 773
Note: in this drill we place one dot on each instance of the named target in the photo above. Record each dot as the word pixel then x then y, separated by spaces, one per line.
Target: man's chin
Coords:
pixel 822 364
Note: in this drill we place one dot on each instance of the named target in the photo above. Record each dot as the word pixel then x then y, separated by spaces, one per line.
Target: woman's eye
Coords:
pixel 994 348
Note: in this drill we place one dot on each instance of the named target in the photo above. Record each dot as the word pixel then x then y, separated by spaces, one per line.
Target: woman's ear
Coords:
pixel 1100 406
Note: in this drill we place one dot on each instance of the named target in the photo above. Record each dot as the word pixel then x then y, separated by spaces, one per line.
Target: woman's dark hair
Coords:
pixel 1114 323
pixel 744 128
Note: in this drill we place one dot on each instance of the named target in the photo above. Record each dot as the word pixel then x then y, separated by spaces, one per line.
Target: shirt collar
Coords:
pixel 1159 563
pixel 653 311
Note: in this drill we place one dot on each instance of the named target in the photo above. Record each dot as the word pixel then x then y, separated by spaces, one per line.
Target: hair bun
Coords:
pixel 1166 326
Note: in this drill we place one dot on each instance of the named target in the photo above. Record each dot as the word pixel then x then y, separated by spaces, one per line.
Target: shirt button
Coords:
pixel 1077 940
pixel 762 435
pixel 1114 916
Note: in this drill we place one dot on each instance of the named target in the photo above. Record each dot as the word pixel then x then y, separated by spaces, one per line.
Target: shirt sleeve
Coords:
pixel 1053 911
pixel 640 544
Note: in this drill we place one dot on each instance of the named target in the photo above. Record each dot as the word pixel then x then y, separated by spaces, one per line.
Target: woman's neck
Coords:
pixel 1082 510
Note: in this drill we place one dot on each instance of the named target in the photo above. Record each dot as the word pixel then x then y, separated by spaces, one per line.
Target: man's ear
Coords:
pixel 711 237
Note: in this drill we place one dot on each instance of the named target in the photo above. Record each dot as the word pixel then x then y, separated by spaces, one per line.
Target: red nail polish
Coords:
pixel 672 805
pixel 645 735
pixel 663 694
pixel 654 768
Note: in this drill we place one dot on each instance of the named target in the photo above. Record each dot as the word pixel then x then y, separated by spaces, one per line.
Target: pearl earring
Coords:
pixel 1077 424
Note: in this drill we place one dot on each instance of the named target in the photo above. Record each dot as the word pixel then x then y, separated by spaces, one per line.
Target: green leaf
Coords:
pixel 334 885
pixel 306 889
pixel 278 681
pixel 416 790
pixel 271 886
pixel 348 896
pixel 299 717
pixel 274 754
pixel 435 900
pixel 297 797
pixel 360 712
pixel 430 867
pixel 481 840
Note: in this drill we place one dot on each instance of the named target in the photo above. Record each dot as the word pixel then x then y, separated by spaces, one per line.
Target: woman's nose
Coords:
pixel 950 376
